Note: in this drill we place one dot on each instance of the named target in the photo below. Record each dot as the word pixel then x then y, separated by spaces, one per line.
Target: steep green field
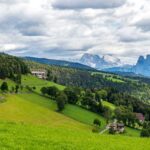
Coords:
pixel 111 77
pixel 132 132
pixel 110 105
pixel 115 79
pixel 35 109
pixel 83 115
pixel 71 111
pixel 38 83
pixel 31 137
pixel 30 121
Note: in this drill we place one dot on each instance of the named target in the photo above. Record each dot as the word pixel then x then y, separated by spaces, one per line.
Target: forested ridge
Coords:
pixel 12 67
pixel 95 80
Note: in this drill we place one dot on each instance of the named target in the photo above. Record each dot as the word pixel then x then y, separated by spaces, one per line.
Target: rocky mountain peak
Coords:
pixel 99 62
pixel 141 60
pixel 148 59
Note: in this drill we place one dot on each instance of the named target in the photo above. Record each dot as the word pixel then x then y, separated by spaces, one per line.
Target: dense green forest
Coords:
pixel 95 80
pixel 12 67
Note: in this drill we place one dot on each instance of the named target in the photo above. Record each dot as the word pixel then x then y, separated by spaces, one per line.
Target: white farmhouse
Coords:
pixel 42 74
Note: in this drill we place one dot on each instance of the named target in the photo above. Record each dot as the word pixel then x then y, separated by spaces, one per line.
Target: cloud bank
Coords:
pixel 64 29
pixel 82 4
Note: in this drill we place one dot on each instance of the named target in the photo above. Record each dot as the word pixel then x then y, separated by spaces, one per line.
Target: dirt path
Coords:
pixel 107 128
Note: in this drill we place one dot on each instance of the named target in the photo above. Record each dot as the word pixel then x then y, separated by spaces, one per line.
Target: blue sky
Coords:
pixel 66 29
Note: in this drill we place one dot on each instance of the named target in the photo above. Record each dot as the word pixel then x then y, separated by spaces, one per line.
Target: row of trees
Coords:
pixel 77 96
pixel 61 97
pixel 126 100
pixel 92 100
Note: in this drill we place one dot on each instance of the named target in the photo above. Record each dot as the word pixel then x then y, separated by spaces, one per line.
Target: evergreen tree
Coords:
pixel 4 86
pixel 61 101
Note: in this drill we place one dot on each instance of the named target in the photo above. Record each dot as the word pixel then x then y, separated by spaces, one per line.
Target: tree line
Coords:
pixel 92 80
pixel 91 100
pixel 12 67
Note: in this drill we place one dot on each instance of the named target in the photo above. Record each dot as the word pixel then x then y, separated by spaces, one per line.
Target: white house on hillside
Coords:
pixel 42 74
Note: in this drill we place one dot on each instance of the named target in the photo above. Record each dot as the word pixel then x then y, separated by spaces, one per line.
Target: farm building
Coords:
pixel 117 127
pixel 42 74
pixel 140 117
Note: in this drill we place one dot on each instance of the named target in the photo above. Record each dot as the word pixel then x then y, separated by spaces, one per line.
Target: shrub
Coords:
pixel 44 90
pixel 145 133
pixel 97 122
pixel 52 91
pixel 61 101
pixel 72 96
pixel 4 86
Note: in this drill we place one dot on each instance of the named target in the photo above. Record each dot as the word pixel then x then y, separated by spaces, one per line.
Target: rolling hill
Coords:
pixel 29 120
pixel 59 63
pixel 34 119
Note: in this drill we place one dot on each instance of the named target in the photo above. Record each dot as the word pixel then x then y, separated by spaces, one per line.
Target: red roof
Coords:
pixel 140 116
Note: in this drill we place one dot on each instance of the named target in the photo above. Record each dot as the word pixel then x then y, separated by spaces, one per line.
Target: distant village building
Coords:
pixel 42 74
pixel 140 117
pixel 117 127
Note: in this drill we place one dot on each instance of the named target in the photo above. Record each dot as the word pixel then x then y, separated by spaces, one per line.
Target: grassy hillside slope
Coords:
pixel 32 108
pixel 110 105
pixel 38 83
pixel 83 115
pixel 21 136
pixel 72 111
pixel 30 121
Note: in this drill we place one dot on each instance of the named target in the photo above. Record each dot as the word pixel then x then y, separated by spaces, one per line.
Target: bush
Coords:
pixel 4 86
pixel 34 88
pixel 52 91
pixel 44 90
pixel 72 96
pixel 145 133
pixel 61 101
pixel 97 122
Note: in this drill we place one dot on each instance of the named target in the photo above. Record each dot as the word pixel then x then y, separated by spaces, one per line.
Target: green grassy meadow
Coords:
pixel 31 121
pixel 110 105
pixel 31 137
pixel 115 79
pixel 38 83
pixel 82 115
pixel 35 109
